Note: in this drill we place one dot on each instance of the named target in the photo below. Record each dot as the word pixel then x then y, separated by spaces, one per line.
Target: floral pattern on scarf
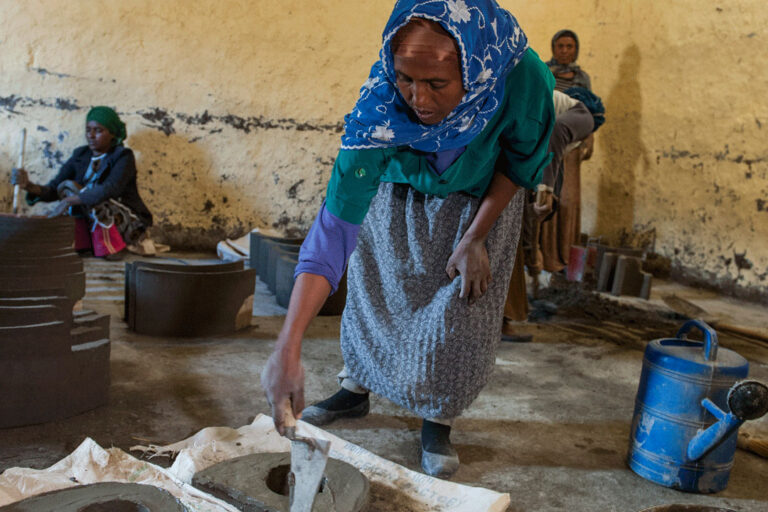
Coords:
pixel 491 44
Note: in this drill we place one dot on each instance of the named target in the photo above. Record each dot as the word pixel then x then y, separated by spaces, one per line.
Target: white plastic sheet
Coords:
pixel 90 463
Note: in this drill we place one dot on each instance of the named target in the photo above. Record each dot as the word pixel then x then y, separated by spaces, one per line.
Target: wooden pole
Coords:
pixel 20 166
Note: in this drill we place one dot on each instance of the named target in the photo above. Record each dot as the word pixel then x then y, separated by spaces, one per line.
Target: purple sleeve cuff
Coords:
pixel 442 160
pixel 327 248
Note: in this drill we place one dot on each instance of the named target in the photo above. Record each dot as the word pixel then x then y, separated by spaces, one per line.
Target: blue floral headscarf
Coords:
pixel 491 44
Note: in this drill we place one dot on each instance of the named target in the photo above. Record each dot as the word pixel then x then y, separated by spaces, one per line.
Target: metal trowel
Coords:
pixel 308 459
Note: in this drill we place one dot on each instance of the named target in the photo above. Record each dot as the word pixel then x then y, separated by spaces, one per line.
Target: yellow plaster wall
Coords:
pixel 684 151
pixel 234 110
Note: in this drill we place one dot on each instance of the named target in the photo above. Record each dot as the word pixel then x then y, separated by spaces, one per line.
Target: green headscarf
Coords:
pixel 109 119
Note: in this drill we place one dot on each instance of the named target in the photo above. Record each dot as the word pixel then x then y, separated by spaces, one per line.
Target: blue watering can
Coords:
pixel 682 436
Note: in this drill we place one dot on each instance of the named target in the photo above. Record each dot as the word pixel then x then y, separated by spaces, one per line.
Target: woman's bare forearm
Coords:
pixel 34 189
pixel 309 294
pixel 499 194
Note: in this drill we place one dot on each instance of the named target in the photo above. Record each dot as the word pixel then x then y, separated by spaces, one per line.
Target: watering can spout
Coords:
pixel 748 400
pixel 707 440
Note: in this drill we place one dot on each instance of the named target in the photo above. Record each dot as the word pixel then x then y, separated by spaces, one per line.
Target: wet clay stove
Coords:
pixel 102 497
pixel 258 483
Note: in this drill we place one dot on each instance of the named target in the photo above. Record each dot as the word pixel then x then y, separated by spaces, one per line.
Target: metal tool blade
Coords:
pixel 308 459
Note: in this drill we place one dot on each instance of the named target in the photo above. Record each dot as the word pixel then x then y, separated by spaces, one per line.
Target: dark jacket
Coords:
pixel 116 179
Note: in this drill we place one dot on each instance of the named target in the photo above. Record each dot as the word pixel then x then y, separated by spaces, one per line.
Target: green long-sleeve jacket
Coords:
pixel 514 143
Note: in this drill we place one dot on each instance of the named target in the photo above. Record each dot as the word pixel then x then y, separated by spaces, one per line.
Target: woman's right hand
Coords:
pixel 283 382
pixel 20 177
pixel 283 375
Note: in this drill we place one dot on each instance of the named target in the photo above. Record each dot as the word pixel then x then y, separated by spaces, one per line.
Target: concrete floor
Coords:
pixel 551 428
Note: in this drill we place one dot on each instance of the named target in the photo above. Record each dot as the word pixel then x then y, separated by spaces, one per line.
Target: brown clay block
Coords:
pixel 605 273
pixel 629 278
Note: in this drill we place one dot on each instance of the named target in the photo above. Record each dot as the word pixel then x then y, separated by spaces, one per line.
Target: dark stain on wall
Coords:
pixel 738 159
pixel 64 104
pixel 721 156
pixel 294 189
pixel 328 162
pixel 160 120
pixel 236 122
pixel 198 119
pixel 208 206
pixel 60 104
pixel 9 103
pixel 742 263
pixel 762 205
pixel 248 124
pixel 287 225
pixel 44 72
pixel 53 158
pixel 163 120
pixel 676 154
pixel 688 272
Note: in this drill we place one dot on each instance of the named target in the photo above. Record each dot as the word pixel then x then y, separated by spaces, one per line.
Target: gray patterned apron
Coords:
pixel 405 334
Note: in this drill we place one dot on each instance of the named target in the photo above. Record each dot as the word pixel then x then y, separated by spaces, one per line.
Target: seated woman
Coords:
pixel 97 186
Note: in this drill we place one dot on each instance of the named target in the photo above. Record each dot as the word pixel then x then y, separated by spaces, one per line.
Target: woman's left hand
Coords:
pixel 62 207
pixel 470 259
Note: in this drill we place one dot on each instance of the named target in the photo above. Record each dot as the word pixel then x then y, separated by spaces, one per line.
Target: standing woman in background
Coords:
pixel 565 51
pixel 97 186
pixel 453 120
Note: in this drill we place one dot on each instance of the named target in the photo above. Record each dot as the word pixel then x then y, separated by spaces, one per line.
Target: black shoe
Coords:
pixel 344 404
pixel 438 457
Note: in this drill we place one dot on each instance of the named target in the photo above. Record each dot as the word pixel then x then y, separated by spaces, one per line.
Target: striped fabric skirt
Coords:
pixel 405 333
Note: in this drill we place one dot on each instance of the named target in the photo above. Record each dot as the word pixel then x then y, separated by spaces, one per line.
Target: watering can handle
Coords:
pixel 710 337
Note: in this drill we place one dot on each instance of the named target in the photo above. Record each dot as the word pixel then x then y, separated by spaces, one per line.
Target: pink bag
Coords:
pixel 106 241
pixel 103 240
